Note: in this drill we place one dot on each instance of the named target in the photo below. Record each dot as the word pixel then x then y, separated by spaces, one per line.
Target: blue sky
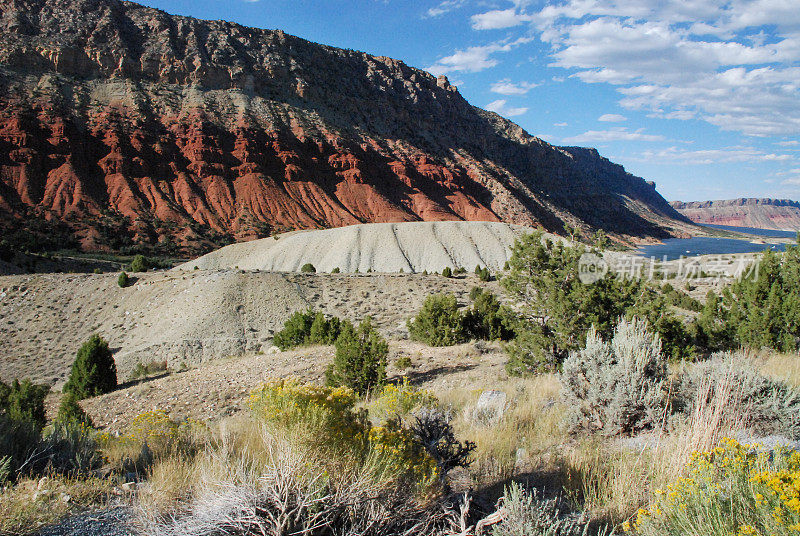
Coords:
pixel 701 96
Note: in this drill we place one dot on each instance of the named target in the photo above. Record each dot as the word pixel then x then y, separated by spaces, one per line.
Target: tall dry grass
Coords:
pixel 528 432
pixel 785 367
pixel 614 478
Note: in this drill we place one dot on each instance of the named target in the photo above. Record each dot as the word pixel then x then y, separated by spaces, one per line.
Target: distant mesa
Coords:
pixel 125 127
pixel 760 213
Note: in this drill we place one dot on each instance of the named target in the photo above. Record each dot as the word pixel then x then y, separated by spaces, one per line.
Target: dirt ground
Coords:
pixel 220 388
pixel 189 318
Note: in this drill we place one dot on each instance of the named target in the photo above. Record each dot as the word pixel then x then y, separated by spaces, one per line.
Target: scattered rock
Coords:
pixel 490 407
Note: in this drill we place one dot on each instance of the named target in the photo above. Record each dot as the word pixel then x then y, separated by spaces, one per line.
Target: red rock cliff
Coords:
pixel 125 125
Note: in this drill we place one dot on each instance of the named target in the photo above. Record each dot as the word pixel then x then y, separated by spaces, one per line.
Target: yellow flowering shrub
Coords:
pixel 399 399
pixel 399 454
pixel 327 413
pixel 162 435
pixel 329 417
pixel 731 490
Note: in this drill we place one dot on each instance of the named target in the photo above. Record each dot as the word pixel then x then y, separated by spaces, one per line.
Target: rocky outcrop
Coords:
pixel 779 214
pixel 132 126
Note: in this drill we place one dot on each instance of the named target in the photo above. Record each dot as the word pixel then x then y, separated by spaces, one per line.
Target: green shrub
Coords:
pixel 487 319
pixel 483 273
pixel 150 369
pixel 528 515
pixel 360 360
pixel 123 280
pixel 403 362
pixel 303 328
pixel 439 322
pixel 140 263
pixel 324 330
pixel 335 270
pixel 24 402
pixel 94 371
pixel 19 441
pixel 70 447
pixel 616 387
pixel 22 417
pixel 295 331
pixel 308 268
pixel 526 354
pixel 70 411
pixel 447 272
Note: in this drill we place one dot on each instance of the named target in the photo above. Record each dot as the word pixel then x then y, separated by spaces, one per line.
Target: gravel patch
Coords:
pixel 111 522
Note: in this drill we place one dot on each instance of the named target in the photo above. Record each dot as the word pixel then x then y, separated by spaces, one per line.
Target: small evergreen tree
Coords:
pixel 70 412
pixel 360 360
pixel 94 371
pixel 24 402
pixel 308 268
pixel 140 263
pixel 487 319
pixel 447 272
pixel 123 280
pixel 439 322
pixel 763 308
pixel 323 330
pixel 295 331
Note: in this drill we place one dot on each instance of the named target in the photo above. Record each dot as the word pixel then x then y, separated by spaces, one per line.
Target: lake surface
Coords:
pixel 772 233
pixel 674 248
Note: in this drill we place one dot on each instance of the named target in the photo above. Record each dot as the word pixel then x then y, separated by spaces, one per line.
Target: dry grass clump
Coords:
pixel 615 478
pixel 526 434
pixel 306 462
pixel 277 486
pixel 782 367
pixel 35 503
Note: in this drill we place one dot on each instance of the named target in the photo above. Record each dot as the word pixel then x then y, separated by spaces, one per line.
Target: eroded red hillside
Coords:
pixel 125 125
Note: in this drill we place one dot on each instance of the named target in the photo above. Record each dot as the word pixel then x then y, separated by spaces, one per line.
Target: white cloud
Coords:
pixel 444 7
pixel 675 155
pixel 612 118
pixel 614 134
pixel 500 107
pixel 732 63
pixel 683 115
pixel 474 59
pixel 498 19
pixel 789 143
pixel 507 87
pixel 794 181
pixel 560 124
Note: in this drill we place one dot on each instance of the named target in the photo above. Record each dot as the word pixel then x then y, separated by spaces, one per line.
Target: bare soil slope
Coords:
pixel 380 247
pixel 188 317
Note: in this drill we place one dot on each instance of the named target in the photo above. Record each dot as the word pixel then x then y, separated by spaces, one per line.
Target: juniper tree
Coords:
pixel 94 371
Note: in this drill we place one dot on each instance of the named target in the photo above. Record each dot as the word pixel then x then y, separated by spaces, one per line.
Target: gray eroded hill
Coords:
pixel 380 247
pixel 188 317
